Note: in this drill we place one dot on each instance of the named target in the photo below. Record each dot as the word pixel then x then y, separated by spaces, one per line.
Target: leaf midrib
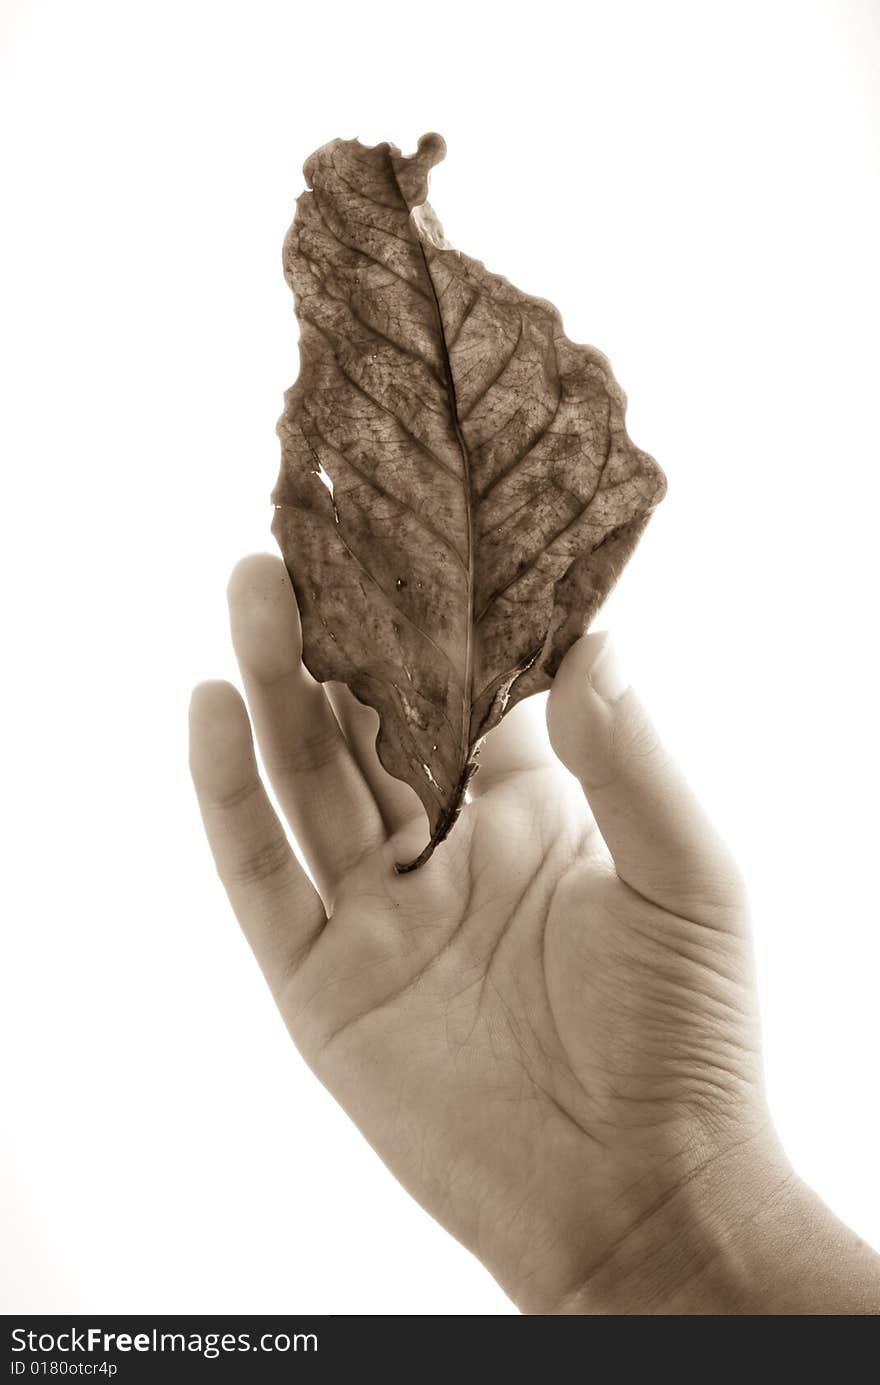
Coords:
pixel 468 680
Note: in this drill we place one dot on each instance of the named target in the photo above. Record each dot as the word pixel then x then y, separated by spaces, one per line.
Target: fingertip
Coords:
pixel 572 678
pixel 253 573
pixel 264 618
pixel 220 742
pixel 583 654
pixel 215 702
pixel 582 702
pixel 591 664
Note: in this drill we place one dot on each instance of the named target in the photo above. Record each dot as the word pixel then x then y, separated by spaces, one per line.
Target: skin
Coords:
pixel 549 1032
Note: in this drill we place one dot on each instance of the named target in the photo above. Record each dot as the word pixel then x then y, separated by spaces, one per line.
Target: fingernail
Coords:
pixel 606 676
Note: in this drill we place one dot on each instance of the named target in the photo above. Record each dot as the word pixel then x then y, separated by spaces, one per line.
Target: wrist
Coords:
pixel 742 1234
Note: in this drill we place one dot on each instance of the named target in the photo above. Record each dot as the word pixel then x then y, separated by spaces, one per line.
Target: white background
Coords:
pixel 696 186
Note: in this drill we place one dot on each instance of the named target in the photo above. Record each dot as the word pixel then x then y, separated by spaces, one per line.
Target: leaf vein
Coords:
pixel 358 250
pixel 443 466
pixel 523 456
pixel 495 378
pixel 549 544
pixel 331 524
pixel 371 326
pixel 389 495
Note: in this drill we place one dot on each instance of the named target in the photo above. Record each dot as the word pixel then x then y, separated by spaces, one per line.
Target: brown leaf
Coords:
pixel 458 492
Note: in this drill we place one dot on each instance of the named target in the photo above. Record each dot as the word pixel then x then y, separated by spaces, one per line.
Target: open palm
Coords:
pixel 547 1034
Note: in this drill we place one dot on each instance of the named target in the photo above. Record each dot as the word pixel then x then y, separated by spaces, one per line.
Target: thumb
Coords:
pixel 662 843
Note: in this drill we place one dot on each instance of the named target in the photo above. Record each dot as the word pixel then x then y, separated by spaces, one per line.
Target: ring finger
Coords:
pixel 319 785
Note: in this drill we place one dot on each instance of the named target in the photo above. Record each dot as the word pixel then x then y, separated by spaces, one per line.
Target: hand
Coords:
pixel 549 1035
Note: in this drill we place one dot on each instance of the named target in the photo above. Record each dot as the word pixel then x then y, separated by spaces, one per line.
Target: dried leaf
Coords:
pixel 458 492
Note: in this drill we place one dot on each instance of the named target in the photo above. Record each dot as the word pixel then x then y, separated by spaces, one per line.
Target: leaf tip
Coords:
pixel 432 146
